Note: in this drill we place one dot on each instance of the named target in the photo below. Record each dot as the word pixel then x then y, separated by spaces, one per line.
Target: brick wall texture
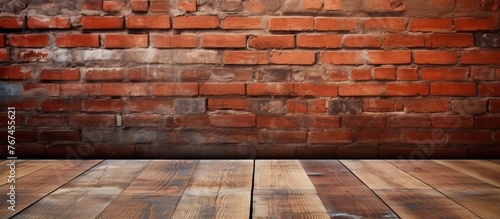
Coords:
pixel 251 78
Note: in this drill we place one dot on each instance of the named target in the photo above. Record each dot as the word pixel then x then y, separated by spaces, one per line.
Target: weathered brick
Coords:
pixel 190 106
pixel 148 22
pixel 272 41
pixel 102 22
pixel 195 22
pixel 349 106
pixel 336 24
pixel 242 23
pixel 233 120
pixel 49 23
pixel 291 23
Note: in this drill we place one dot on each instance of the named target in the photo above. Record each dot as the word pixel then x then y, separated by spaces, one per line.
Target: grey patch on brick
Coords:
pixel 137 136
pixel 96 135
pixel 190 106
pixel 345 106
pixel 275 74
pixel 10 90
pixel 268 107
pixel 488 40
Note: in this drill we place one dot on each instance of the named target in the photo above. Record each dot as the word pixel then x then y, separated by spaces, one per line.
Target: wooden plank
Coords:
pixel 283 190
pixel 89 194
pixel 481 169
pixel 422 203
pixel 22 168
pixel 483 202
pixel 35 186
pixel 378 174
pixel 217 189
pixel 342 194
pixel 154 193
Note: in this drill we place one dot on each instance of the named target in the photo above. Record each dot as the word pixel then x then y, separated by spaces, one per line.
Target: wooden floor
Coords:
pixel 235 189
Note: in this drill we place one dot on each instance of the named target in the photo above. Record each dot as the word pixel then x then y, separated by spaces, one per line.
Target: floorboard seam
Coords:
pixel 187 184
pixel 252 190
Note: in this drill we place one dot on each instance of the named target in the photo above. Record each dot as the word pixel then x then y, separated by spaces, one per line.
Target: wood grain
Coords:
pixel 23 168
pixel 35 186
pixel 483 202
pixel 483 170
pixel 342 194
pixel 89 194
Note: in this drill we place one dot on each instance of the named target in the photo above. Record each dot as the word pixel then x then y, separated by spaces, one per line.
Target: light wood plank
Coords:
pixel 483 170
pixel 422 203
pixel 89 194
pixel 342 193
pixel 22 168
pixel 283 190
pixel 35 186
pixel 154 193
pixel 378 174
pixel 483 202
pixel 217 189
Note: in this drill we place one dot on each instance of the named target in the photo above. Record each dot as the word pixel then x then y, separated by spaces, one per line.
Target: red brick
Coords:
pixel 336 24
pixel 60 74
pixel 361 89
pixel 195 22
pixel 388 24
pixel 474 23
pixel 453 122
pixel 481 74
pixel 51 90
pixel 403 41
pixel 245 57
pixel 319 41
pixel 342 57
pixel 277 122
pixel 15 73
pixel 332 5
pixel 223 41
pixel 87 120
pixel 285 136
pixel 453 89
pixel 21 135
pixel 384 73
pixel 430 24
pixel 452 40
pixel 119 89
pixel 228 104
pixel 389 57
pixel 378 105
pixel 487 122
pixel 407 89
pixel 61 105
pixel 101 22
pixel 272 41
pixel 80 90
pixel 49 23
pixel 19 104
pixel 113 5
pixel 426 105
pixel 313 5
pixel 337 75
pixel 424 137
pixel 190 121
pixel 174 89
pixel 363 122
pixel 330 137
pixel 187 5
pixel 77 40
pixel 103 74
pixel 45 120
pixel 291 23
pixel 2 40
pixel 139 5
pixel 469 106
pixel 377 137
pixel 323 90
pixel 295 57
pixel 142 120
pixel 104 105
pixel 95 5
pixel 490 5
pixel 470 137
pixel 233 121
pixel 325 122
pixel 481 57
pixel 407 74
pixel 316 106
pixel 31 55
pixel 29 40
pixel 296 106
pixel 435 57
pixel 176 41
pixel 361 74
pixel 489 89
pixel 150 105
pixel 409 122
pixel 242 23
pixel 151 74
pixel 125 41
pixel 159 6
pixel 447 153
pixel 494 106
pixel 11 22
pixel 222 89
pixel 148 22
pixel 58 135
pixel 362 41
pixel 270 89
pixel 444 74
pixel 384 6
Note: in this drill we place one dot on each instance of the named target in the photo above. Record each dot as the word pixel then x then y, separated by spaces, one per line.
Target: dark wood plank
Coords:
pixel 483 202
pixel 342 193
pixel 282 189
pixel 154 193
pixel 35 186
pixel 481 169
pixel 217 189
pixel 89 194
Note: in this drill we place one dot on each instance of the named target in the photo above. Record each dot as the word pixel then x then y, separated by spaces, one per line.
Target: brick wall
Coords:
pixel 251 78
